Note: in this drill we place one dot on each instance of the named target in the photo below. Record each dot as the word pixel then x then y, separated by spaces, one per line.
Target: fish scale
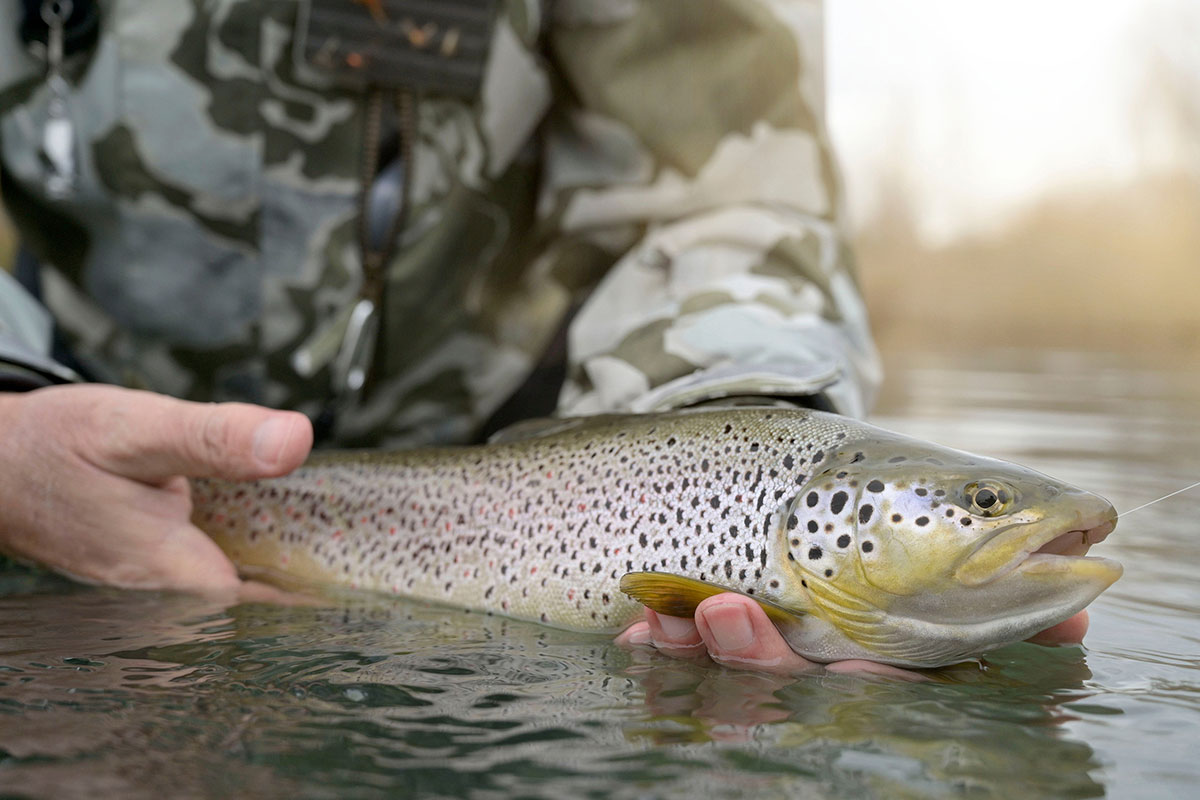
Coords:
pixel 541 528
pixel 858 542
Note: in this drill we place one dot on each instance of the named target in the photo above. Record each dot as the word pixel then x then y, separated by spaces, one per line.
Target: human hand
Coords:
pixel 93 480
pixel 735 632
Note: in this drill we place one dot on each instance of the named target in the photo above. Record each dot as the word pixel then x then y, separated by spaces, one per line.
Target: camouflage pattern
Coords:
pixel 663 176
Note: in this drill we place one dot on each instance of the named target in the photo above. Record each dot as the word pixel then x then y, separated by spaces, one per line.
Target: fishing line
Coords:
pixel 1164 497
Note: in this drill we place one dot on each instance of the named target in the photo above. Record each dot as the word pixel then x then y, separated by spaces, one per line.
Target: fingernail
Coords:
pixel 730 625
pixel 639 637
pixel 677 627
pixel 271 439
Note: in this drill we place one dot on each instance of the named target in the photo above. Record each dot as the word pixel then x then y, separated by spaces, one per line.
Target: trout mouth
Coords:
pixel 1045 548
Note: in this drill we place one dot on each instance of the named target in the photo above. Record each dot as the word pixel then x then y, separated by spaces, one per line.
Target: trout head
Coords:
pixel 919 555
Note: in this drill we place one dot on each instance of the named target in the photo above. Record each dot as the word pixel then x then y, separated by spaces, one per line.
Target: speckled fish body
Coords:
pixel 874 545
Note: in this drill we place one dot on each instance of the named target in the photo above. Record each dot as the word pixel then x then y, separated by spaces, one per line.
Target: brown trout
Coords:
pixel 859 543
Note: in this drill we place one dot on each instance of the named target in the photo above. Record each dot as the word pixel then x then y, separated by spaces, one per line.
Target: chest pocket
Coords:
pixel 173 253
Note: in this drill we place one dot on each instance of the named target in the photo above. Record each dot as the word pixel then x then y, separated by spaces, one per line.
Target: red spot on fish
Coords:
pixel 364 520
pixel 320 481
pixel 447 526
pixel 549 474
pixel 395 589
pixel 283 559
pixel 414 506
pixel 219 518
pixel 582 507
pixel 570 594
pixel 264 518
pixel 289 511
pixel 512 512
pixel 337 534
pixel 643 499
pixel 616 551
pixel 532 570
pixel 393 530
pixel 466 573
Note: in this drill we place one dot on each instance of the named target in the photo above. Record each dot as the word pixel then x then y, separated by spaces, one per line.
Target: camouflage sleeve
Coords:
pixel 693 142
pixel 25 326
pixel 25 336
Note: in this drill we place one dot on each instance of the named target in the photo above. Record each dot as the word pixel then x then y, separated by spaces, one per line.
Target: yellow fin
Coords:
pixel 677 596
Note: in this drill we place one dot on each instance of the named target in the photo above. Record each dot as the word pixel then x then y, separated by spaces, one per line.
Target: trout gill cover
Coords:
pixel 859 542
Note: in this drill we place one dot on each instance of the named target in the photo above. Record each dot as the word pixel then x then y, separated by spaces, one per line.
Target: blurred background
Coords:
pixel 1019 173
pixel 1024 172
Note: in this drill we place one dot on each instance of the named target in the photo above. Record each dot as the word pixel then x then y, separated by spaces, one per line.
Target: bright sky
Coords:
pixel 985 103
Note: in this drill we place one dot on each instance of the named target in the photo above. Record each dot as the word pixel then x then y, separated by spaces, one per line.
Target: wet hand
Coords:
pixel 734 631
pixel 94 480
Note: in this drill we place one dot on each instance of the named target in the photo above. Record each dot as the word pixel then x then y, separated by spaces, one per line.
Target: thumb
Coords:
pixel 150 437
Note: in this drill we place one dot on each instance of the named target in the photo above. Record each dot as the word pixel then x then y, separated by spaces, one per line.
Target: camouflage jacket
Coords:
pixel 642 189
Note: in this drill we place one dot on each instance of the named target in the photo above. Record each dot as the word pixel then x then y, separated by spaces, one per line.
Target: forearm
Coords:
pixel 698 141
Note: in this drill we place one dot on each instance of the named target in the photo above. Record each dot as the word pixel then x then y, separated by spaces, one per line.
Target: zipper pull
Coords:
pixel 58 134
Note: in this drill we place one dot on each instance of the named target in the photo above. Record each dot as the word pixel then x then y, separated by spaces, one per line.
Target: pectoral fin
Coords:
pixel 677 596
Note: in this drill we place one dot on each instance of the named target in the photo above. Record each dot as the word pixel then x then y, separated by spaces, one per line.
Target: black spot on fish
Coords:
pixel 813 526
pixel 896 517
pixel 715 502
pixel 814 553
pixel 859 456
pixel 818 456
pixel 920 492
pixel 774 584
pixel 791 556
pixel 788 461
pixel 965 521
pixel 828 573
pixel 844 540
pixel 792 522
pixel 812 499
pixel 864 514
pixel 949 512
pixel 897 459
pixel 875 486
pixel 867 547
pixel 922 521
pixel 838 502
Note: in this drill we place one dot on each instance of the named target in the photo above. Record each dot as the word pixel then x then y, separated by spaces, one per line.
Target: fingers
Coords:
pixel 730 628
pixel 149 437
pixel 734 631
pixel 1070 631
pixel 738 634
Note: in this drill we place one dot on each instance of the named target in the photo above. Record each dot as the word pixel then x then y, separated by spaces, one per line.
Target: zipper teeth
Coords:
pixel 372 126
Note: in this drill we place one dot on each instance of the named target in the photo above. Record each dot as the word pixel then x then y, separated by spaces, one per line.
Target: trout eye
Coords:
pixel 985 498
pixel 989 499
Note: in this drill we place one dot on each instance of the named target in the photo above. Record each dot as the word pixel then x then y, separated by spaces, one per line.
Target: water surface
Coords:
pixel 108 693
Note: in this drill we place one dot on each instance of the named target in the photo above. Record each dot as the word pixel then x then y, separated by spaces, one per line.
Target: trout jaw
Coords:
pixel 1062 539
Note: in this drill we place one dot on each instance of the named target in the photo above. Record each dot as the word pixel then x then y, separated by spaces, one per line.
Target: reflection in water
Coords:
pixel 139 694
